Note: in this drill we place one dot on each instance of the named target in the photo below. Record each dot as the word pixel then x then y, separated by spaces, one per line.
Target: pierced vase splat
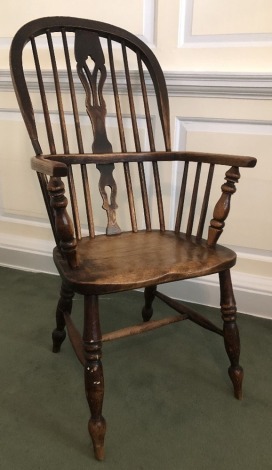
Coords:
pixel 87 44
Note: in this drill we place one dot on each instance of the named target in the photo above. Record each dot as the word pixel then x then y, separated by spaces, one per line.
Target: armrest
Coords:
pixel 48 166
pixel 218 159
pixel 212 158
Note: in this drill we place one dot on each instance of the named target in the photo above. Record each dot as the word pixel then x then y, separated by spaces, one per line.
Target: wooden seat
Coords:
pixel 130 261
pixel 97 113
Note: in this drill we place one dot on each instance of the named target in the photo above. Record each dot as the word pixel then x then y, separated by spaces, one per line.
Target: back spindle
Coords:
pixel 159 195
pixel 193 201
pixel 136 140
pixel 131 101
pixel 205 203
pixel 48 124
pixel 58 93
pixel 144 196
pixel 122 139
pixel 151 142
pixel 182 197
pixel 74 204
pixel 72 93
pixel 88 203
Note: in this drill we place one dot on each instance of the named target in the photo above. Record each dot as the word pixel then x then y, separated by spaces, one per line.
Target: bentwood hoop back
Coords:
pixel 97 113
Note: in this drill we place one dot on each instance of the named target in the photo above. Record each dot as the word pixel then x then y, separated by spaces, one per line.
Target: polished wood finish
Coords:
pixel 63 223
pixel 222 207
pixel 151 252
pixel 230 331
pixel 39 162
pixel 93 372
pixel 140 260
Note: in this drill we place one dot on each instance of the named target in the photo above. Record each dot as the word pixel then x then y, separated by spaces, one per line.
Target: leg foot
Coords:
pixel 149 295
pixel 64 305
pixel 94 380
pixel 236 376
pixel 97 430
pixel 231 332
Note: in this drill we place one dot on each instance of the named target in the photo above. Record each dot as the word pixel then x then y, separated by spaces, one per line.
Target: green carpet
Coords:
pixel 168 398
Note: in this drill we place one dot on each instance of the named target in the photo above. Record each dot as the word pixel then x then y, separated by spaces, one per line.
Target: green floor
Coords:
pixel 168 398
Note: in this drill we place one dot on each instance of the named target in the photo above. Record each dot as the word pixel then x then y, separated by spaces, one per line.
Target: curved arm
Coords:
pixel 198 157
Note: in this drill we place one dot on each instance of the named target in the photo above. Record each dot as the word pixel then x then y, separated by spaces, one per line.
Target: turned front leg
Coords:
pixel 231 332
pixel 64 306
pixel 93 371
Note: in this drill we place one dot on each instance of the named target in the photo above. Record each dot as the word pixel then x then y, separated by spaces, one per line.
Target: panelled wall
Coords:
pixel 217 58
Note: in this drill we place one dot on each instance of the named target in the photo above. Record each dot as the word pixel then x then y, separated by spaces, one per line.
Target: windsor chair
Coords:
pixel 98 118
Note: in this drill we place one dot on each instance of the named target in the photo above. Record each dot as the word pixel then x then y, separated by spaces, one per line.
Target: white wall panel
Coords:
pixel 237 137
pixel 205 23
pixel 215 35
pixel 139 17
pixel 231 17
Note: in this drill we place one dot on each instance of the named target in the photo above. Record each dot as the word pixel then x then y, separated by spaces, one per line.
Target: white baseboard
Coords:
pixel 27 254
pixel 253 293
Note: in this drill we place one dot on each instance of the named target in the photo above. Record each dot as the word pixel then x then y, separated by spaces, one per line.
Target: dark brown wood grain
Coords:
pixel 77 168
pixel 222 207
pixel 216 159
pixel 63 223
pixel 231 332
pixel 94 380
pixel 130 261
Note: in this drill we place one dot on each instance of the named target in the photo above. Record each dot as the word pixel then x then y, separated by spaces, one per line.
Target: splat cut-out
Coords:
pixel 87 44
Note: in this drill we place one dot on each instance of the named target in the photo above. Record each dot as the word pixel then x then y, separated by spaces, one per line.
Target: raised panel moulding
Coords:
pixel 229 126
pixel 188 39
pixel 149 22
pixel 197 84
pixel 146 31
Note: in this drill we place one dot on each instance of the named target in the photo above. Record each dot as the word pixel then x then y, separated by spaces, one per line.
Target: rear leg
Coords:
pixel 93 372
pixel 231 332
pixel 64 306
pixel 149 294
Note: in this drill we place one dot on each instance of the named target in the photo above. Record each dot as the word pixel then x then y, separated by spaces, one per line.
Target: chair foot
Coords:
pixel 231 332
pixel 97 430
pixel 236 375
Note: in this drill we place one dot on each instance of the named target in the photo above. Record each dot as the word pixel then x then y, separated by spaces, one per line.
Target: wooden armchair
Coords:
pixel 98 117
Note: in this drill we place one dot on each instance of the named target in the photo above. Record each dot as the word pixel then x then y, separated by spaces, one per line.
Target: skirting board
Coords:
pixel 253 293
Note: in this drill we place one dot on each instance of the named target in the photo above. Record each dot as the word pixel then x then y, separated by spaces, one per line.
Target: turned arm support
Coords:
pixel 63 223
pixel 222 207
pixel 56 190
